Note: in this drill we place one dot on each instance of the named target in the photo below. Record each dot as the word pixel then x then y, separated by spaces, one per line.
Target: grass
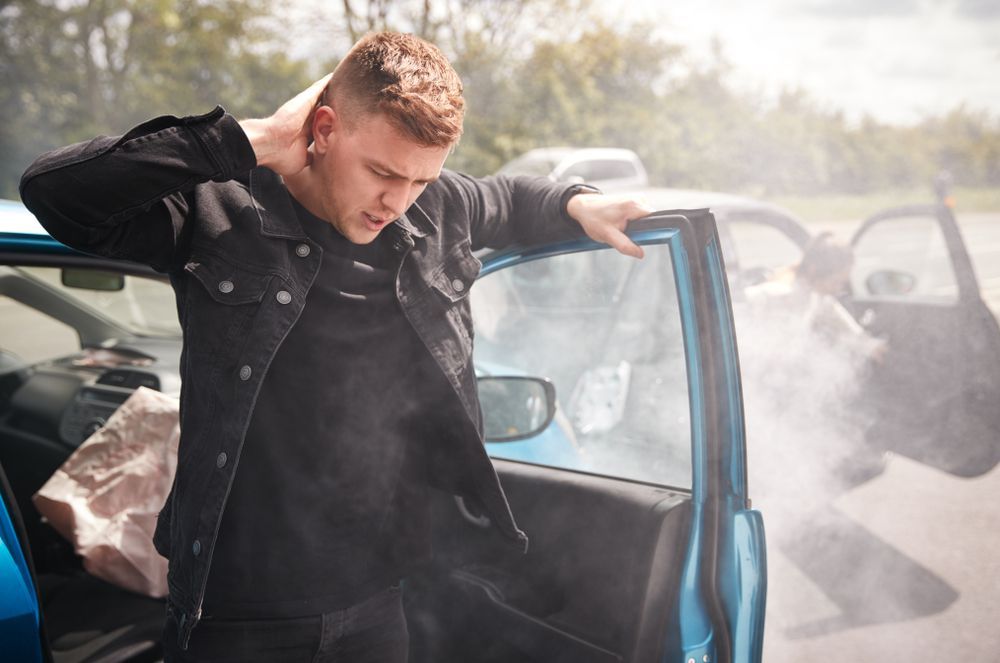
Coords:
pixel 827 208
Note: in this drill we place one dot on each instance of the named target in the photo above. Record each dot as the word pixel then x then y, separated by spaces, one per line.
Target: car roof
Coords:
pixel 15 218
pixel 557 154
pixel 727 208
pixel 666 198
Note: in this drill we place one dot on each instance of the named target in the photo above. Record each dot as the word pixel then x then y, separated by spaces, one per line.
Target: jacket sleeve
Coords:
pixel 503 210
pixel 130 196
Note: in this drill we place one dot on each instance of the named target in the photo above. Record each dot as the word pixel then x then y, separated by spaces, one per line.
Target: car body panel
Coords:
pixel 19 612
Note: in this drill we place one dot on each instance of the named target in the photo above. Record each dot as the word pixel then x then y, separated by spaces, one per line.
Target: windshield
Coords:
pixel 144 306
pixel 42 315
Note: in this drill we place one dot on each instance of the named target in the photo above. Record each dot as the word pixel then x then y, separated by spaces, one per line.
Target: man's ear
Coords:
pixel 325 125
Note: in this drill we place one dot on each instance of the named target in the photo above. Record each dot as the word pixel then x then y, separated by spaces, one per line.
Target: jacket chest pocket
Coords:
pixel 457 274
pixel 451 284
pixel 222 300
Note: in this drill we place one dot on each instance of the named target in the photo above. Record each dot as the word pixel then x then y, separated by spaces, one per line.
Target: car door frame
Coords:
pixel 719 612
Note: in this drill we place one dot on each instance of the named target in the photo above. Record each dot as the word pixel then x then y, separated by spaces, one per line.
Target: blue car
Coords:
pixel 613 412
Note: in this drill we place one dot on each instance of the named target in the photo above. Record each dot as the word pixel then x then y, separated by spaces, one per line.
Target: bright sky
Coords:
pixel 897 60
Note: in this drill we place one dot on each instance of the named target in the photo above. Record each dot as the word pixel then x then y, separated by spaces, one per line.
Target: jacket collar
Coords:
pixel 278 218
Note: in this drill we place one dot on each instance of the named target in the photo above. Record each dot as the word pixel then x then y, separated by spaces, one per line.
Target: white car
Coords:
pixel 608 168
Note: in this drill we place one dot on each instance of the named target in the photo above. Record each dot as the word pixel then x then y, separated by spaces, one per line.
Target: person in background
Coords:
pixel 805 297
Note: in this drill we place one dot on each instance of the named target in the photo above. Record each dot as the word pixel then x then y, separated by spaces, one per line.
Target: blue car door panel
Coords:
pixel 643 543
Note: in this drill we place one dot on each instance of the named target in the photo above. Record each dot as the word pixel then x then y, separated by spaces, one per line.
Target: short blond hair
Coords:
pixel 406 79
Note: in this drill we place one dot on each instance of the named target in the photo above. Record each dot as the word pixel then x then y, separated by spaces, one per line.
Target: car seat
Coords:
pixel 84 619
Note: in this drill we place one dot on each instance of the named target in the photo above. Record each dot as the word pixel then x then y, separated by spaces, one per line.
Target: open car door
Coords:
pixel 643 546
pixel 938 386
pixel 20 635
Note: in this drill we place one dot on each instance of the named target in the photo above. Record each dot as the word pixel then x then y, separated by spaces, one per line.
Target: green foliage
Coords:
pixel 596 89
pixel 536 73
pixel 75 68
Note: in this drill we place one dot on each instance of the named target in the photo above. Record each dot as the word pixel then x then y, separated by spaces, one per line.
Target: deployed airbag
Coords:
pixel 105 498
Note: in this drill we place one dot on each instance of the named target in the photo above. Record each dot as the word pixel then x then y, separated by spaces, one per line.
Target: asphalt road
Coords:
pixel 901 567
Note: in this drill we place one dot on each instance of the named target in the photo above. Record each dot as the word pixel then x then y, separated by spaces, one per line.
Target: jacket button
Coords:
pixel 302 250
pixel 196 548
pixel 220 460
pixel 283 297
pixel 245 373
pixel 226 287
pixel 458 285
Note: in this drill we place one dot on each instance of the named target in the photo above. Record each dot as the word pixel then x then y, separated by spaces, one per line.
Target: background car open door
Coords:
pixel 643 544
pixel 938 386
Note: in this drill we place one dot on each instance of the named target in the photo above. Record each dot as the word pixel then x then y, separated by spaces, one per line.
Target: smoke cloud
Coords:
pixel 808 421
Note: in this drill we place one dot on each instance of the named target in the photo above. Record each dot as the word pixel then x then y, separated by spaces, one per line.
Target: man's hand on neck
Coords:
pixel 281 142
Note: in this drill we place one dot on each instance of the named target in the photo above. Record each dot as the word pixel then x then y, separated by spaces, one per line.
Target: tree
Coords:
pixel 72 69
pixel 487 41
pixel 536 73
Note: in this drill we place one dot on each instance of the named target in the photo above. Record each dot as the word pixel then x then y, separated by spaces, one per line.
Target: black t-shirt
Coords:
pixel 305 526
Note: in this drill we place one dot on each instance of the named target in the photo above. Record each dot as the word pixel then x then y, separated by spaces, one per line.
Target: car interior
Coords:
pixel 83 617
pixel 578 594
pixel 607 536
pixel 47 408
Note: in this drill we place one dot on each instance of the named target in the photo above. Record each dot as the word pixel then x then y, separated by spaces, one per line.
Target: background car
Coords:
pixel 912 284
pixel 643 550
pixel 610 168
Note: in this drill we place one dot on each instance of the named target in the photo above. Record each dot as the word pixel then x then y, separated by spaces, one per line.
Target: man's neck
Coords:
pixel 302 188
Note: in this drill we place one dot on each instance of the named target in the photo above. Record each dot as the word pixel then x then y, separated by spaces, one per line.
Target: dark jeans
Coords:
pixel 373 631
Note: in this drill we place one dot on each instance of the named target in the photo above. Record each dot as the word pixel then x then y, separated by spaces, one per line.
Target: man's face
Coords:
pixel 368 175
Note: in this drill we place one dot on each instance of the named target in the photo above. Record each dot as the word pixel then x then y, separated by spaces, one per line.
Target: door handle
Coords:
pixel 479 520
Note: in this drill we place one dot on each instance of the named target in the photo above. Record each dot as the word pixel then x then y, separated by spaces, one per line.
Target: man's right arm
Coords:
pixel 128 197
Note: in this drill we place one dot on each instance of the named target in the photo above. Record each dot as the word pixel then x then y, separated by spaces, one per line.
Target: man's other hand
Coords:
pixel 281 142
pixel 605 218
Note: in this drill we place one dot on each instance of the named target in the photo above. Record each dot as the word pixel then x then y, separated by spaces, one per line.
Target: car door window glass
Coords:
pixel 759 249
pixel 907 251
pixel 606 330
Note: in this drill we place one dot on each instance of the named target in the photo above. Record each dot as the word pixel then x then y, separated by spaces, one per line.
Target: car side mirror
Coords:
pixel 515 408
pixel 890 282
pixel 92 279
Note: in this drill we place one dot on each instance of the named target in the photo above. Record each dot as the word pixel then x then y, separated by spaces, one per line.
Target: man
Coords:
pixel 321 259
pixel 803 297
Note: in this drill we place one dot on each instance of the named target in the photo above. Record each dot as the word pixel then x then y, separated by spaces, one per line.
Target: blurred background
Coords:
pixel 782 99
pixel 831 109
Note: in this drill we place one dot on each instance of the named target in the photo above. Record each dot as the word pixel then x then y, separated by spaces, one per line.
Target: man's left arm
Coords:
pixel 503 210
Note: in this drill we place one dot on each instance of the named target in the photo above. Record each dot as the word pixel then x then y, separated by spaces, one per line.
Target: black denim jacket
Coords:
pixel 185 196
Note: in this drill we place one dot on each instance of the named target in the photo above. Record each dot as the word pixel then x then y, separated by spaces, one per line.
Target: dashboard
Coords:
pixel 67 399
